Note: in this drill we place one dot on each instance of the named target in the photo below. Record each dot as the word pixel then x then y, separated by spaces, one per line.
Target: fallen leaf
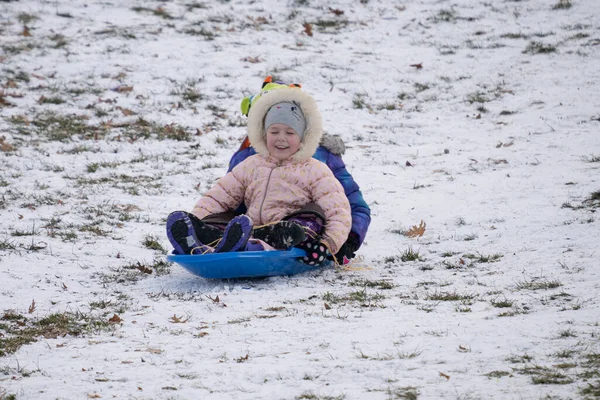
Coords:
pixel 94 396
pixel 443 375
pixel 242 359
pixel 126 111
pixel 4 102
pixel 26 32
pixel 327 306
pixel 5 147
pixel 32 307
pixel 153 351
pixel 415 230
pixel 478 116
pixel 308 29
pixel 408 164
pixel 336 11
pixel 417 66
pixel 142 268
pixel 115 319
pixel 216 300
pixel 10 84
pixel 178 320
pixel 123 89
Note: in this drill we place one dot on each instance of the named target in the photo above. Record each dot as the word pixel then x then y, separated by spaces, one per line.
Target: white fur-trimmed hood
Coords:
pixel 314 121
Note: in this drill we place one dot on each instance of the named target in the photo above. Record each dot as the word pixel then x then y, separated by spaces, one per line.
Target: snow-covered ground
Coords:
pixel 479 118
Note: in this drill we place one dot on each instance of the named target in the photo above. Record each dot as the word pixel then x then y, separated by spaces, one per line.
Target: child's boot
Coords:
pixel 313 226
pixel 205 232
pixel 281 235
pixel 182 234
pixel 254 245
pixel 236 235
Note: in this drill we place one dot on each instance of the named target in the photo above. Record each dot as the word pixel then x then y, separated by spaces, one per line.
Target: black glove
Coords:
pixel 347 250
pixel 316 252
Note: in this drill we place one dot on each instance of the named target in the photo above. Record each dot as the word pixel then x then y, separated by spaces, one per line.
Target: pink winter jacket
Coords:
pixel 273 189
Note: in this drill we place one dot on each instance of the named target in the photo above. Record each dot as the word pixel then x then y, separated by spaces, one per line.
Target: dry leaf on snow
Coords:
pixel 178 320
pixel 115 319
pixel 416 231
pixel 32 307
pixel 308 29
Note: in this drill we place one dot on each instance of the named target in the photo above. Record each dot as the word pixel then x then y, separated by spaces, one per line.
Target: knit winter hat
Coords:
pixel 287 113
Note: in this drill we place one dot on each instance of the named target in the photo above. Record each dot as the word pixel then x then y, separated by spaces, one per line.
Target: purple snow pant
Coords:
pixel 310 216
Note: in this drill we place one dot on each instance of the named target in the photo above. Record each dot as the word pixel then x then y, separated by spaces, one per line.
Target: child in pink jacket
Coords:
pixel 292 199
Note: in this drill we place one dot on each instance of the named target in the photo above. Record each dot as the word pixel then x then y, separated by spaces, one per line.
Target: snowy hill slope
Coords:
pixel 478 118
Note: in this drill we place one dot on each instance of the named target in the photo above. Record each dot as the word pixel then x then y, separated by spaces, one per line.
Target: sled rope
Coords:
pixel 355 264
pixel 268 224
pixel 210 246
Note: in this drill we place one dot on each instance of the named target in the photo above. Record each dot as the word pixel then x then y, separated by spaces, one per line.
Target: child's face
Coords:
pixel 282 141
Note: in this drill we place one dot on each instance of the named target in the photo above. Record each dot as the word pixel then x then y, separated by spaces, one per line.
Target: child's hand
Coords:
pixel 316 252
pixel 347 250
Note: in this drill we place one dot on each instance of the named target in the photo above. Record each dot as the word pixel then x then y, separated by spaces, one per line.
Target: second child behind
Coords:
pixel 282 186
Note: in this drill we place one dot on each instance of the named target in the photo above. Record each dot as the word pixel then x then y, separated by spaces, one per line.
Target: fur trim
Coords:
pixel 333 143
pixel 314 121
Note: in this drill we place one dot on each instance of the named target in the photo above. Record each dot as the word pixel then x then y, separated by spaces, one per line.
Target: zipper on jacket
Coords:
pixel 266 191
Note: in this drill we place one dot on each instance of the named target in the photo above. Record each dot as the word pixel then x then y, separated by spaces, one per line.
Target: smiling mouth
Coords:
pixel 281 148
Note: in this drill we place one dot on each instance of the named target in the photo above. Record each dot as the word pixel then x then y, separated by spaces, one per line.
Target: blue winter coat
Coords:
pixel 361 213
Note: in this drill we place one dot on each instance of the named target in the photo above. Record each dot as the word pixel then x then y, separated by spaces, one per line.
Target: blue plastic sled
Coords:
pixel 244 264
